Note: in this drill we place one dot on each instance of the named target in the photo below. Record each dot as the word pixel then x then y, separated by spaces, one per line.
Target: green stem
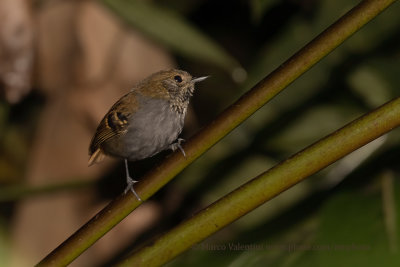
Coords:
pixel 303 60
pixel 17 192
pixel 268 184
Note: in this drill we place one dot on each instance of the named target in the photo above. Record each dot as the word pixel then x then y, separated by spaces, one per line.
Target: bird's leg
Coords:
pixel 130 182
pixel 176 145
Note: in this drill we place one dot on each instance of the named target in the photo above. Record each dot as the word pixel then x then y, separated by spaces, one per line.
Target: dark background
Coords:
pixel 86 54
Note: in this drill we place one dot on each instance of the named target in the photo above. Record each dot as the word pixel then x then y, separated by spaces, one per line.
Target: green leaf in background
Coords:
pixel 352 231
pixel 259 7
pixel 368 84
pixel 172 30
pixel 4 244
pixel 302 130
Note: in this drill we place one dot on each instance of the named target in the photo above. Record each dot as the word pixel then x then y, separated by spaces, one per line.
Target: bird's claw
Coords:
pixel 130 182
pixel 177 145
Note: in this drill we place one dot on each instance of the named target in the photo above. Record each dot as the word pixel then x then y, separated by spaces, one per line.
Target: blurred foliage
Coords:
pixel 331 236
pixel 335 218
pixel 171 29
pixel 4 244
pixel 17 124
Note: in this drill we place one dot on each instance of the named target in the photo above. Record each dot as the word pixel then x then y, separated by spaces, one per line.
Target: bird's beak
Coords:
pixel 200 79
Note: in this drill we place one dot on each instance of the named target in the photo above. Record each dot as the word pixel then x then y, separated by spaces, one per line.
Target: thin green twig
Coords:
pixel 17 192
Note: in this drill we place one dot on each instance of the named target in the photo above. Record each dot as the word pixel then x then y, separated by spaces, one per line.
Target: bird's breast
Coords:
pixel 152 128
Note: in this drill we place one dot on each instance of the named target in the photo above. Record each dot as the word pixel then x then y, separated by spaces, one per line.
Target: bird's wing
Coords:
pixel 114 123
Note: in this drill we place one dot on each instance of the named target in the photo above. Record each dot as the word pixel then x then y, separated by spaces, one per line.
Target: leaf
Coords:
pixel 370 85
pixel 172 30
pixel 259 7
pixel 352 233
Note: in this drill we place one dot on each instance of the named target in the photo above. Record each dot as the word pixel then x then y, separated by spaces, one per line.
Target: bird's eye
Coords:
pixel 178 78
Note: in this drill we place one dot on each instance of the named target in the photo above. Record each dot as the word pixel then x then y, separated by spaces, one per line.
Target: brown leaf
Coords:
pixel 16 48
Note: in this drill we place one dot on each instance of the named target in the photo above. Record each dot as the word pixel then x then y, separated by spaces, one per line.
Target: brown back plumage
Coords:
pixel 114 123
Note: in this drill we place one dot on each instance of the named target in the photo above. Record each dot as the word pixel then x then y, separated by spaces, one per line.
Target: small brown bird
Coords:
pixel 145 121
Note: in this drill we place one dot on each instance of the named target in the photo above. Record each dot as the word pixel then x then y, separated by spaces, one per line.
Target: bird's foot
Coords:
pixel 130 182
pixel 177 145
